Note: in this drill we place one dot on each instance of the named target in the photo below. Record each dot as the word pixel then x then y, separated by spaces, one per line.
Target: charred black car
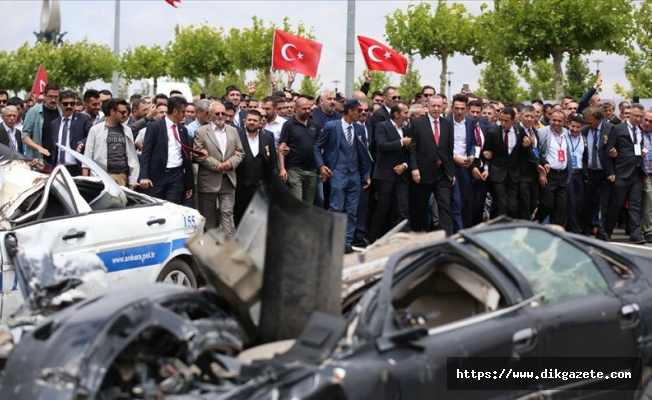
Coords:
pixel 509 296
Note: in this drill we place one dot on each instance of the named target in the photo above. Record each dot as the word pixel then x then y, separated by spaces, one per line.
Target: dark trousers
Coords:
pixel 528 198
pixel 575 201
pixel 631 190
pixel 504 196
pixel 343 197
pixel 554 199
pixel 597 199
pixel 361 219
pixel 169 188
pixel 478 200
pixel 460 206
pixel 443 191
pixel 243 196
pixel 392 202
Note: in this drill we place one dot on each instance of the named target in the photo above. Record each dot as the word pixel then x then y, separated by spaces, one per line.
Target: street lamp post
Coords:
pixel 597 62
pixel 335 82
pixel 449 73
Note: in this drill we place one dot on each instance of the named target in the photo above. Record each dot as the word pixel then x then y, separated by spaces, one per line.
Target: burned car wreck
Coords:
pixel 514 290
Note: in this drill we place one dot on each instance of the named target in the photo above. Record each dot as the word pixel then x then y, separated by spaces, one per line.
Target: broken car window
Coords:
pixel 551 265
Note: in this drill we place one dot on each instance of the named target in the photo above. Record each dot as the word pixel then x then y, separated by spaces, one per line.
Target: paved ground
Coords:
pixel 619 238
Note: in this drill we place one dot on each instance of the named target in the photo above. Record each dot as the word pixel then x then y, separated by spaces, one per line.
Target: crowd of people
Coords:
pixel 374 156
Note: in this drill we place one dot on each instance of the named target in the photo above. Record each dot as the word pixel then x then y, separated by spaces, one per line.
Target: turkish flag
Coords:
pixel 294 53
pixel 380 57
pixel 39 82
pixel 172 2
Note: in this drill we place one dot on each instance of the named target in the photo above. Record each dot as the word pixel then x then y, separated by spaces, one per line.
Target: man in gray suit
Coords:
pixel 10 135
pixel 216 178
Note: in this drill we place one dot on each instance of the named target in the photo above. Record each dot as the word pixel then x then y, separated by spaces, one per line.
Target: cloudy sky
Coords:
pixel 152 22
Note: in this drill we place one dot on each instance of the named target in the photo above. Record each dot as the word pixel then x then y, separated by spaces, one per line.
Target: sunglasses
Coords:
pixel 396 97
pixel 428 95
pixel 220 114
pixel 3 101
pixel 68 103
pixel 363 109
pixel 123 112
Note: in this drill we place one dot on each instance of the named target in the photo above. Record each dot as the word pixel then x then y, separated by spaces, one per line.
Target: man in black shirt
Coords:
pixel 298 167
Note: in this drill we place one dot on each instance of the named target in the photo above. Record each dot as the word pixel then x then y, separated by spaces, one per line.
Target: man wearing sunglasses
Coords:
pixel 69 130
pixel 111 145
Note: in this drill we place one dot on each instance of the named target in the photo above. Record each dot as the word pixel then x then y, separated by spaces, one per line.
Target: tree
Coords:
pixel 576 80
pixel 536 30
pixel 499 82
pixel 82 62
pixel 220 83
pixel 310 86
pixel 251 48
pixel 198 52
pixel 144 63
pixel 410 82
pixel 23 63
pixel 379 81
pixel 638 67
pixel 539 76
pixel 441 32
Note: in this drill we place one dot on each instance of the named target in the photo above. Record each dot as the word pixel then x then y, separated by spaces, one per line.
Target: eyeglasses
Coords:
pixel 428 94
pixel 123 112
pixel 396 97
pixel 68 103
pixel 219 114
pixel 2 101
pixel 263 116
pixel 363 109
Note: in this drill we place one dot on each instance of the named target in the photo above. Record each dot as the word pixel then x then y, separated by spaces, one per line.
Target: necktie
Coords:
pixel 634 133
pixel 506 140
pixel 478 136
pixel 594 155
pixel 176 136
pixel 64 141
pixel 435 127
pixel 349 135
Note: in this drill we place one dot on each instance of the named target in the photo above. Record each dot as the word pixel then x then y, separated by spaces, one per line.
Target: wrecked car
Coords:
pixel 139 238
pixel 515 291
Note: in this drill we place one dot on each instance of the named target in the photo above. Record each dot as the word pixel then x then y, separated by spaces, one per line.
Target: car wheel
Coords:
pixel 177 272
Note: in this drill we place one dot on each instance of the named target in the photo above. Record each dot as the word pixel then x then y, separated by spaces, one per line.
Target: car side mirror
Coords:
pixel 403 336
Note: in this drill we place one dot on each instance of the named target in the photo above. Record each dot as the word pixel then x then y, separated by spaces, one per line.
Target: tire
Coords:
pixel 177 272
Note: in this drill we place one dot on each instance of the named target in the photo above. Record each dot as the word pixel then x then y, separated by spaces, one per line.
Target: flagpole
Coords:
pixel 350 51
pixel 115 82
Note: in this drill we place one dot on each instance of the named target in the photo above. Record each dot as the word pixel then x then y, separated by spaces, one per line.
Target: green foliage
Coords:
pixel 638 67
pixel 379 81
pixel 499 82
pixel 410 82
pixel 578 76
pixel 23 63
pixel 144 63
pixel 199 52
pixel 440 32
pixel 220 83
pixel 539 76
pixel 538 29
pixel 82 62
pixel 310 86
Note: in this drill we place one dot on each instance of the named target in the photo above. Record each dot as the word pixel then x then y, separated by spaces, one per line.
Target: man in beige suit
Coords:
pixel 216 179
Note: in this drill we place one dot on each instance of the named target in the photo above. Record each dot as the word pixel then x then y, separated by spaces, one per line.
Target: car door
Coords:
pixel 579 317
pixel 58 223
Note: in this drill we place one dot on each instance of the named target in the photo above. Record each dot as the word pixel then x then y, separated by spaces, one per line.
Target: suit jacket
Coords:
pixel 469 124
pixel 154 157
pixel 329 142
pixel 527 171
pixel 424 152
pixel 4 138
pixel 626 163
pixel 603 138
pixel 80 124
pixel 390 152
pixel 247 172
pixel 545 135
pixel 208 179
pixel 501 163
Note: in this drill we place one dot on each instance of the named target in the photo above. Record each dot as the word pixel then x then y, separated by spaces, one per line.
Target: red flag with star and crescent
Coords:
pixel 294 53
pixel 40 81
pixel 173 2
pixel 380 57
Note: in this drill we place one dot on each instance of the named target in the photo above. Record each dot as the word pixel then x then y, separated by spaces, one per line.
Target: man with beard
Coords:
pixel 69 130
pixel 258 164
pixel 298 168
pixel 37 135
pixel 326 110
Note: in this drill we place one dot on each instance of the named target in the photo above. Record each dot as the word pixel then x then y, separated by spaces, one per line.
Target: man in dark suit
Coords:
pixel 627 172
pixel 528 187
pixel 504 147
pixel 464 143
pixel 166 163
pixel 390 96
pixel 11 136
pixel 597 189
pixel 258 164
pixel 390 176
pixel 69 130
pixel 578 157
pixel 345 164
pixel 431 166
pixel 479 186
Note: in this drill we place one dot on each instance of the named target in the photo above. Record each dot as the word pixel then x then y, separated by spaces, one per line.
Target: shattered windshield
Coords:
pixel 550 264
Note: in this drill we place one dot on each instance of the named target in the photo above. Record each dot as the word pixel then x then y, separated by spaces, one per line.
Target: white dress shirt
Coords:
pixel 254 143
pixel 220 135
pixel 459 138
pixel 175 160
